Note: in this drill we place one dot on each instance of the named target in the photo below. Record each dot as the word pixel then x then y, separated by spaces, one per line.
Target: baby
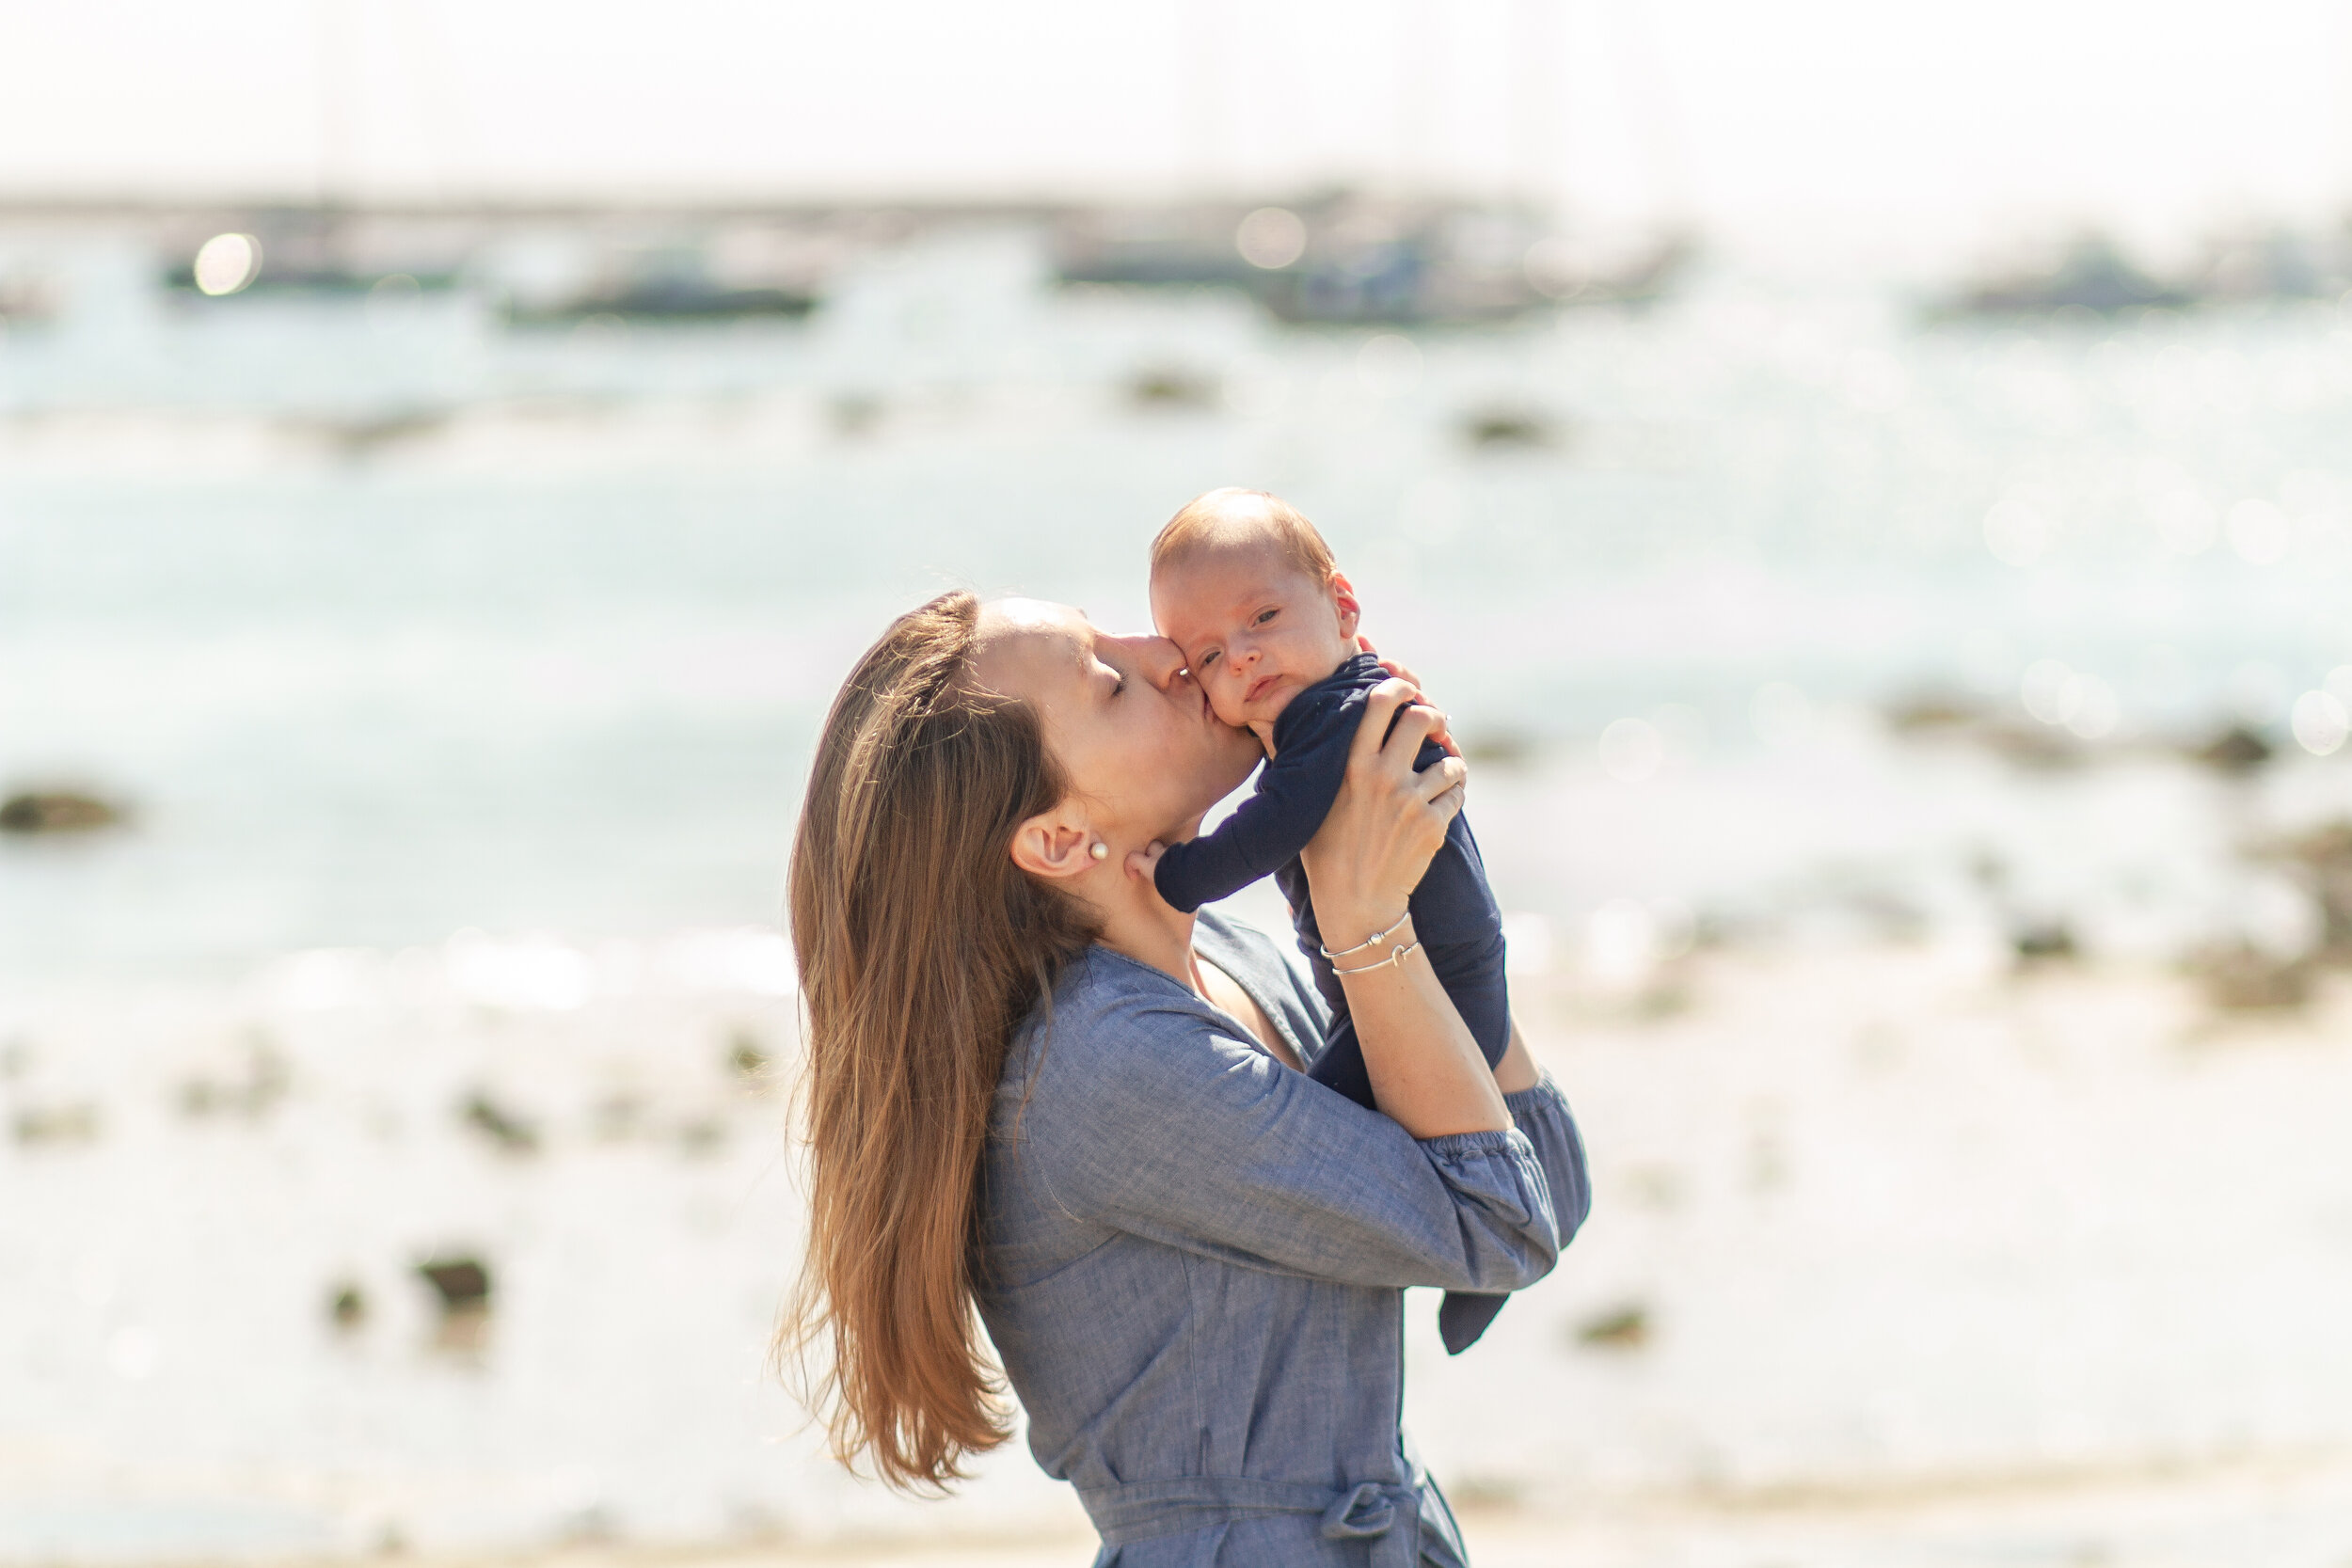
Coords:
pixel 1249 590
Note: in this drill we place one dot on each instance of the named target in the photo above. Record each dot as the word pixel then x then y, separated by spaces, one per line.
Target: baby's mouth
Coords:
pixel 1259 688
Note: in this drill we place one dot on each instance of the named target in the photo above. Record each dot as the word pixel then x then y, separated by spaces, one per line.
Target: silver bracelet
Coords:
pixel 1396 956
pixel 1371 941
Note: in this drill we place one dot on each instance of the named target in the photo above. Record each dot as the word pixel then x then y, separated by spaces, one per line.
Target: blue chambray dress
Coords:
pixel 1192 1260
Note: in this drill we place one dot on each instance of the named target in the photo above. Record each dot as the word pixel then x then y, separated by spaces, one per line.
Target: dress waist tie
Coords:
pixel 1386 1511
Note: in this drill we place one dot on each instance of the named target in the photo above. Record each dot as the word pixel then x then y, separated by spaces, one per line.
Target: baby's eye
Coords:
pixel 1265 615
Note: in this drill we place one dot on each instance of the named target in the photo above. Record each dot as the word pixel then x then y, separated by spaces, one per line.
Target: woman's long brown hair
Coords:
pixel 921 947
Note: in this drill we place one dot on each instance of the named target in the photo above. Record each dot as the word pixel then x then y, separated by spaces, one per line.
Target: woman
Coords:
pixel 1035 1089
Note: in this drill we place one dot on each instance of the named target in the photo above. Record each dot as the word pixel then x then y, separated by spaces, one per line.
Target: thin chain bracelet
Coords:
pixel 1371 941
pixel 1396 956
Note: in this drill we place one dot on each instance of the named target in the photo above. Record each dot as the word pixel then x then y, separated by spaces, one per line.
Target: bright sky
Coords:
pixel 1904 125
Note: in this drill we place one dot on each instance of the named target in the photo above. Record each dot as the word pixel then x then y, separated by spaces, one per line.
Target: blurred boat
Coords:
pixel 1345 258
pixel 674 298
pixel 2276 263
pixel 2092 274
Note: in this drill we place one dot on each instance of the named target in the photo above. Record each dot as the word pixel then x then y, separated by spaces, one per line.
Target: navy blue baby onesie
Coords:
pixel 1454 910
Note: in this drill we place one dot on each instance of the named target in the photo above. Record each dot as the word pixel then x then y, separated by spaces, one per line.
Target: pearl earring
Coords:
pixel 1101 852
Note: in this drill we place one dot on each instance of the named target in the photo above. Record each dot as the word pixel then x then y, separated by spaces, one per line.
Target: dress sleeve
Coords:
pixel 1267 830
pixel 1542 1113
pixel 1183 1134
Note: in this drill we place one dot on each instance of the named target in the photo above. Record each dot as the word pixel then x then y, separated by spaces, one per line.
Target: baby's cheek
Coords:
pixel 1225 700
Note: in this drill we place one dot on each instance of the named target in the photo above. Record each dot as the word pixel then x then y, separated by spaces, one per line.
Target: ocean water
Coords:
pixel 460 682
pixel 390 621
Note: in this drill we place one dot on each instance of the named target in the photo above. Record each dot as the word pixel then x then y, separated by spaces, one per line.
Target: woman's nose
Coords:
pixel 1159 660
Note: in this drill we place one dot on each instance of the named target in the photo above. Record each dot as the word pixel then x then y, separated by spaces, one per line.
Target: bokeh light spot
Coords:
pixel 2321 722
pixel 1271 237
pixel 226 263
pixel 1632 750
pixel 2051 691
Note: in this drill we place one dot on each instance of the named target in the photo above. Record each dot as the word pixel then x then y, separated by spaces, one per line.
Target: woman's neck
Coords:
pixel 1136 924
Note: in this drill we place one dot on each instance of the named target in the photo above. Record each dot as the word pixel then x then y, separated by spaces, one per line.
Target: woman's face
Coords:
pixel 1133 733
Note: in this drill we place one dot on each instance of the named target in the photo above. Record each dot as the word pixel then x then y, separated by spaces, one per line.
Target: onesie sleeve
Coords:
pixel 1267 831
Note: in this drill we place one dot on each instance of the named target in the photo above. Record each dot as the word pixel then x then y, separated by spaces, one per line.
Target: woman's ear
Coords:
pixel 1053 845
pixel 1344 600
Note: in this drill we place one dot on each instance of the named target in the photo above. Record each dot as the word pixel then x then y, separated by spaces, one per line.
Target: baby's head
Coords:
pixel 1248 589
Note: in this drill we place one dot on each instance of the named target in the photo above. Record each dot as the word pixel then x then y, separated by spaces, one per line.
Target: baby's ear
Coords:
pixel 1344 600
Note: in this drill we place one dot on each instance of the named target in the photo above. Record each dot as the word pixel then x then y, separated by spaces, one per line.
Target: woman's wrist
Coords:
pixel 1358 934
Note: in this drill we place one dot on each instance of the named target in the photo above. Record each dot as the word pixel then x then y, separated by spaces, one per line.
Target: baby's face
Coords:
pixel 1255 629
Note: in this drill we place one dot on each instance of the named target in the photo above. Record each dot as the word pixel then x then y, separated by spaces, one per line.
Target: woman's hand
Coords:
pixel 1388 821
pixel 1442 735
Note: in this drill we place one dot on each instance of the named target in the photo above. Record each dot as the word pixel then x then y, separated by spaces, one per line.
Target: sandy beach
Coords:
pixel 1900 1253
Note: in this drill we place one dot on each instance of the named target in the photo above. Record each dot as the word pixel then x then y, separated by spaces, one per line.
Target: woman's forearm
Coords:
pixel 1517 1071
pixel 1363 865
pixel 1426 1071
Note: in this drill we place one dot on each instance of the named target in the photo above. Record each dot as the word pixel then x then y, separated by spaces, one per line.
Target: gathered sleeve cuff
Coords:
pixel 1542 1115
pixel 1503 1196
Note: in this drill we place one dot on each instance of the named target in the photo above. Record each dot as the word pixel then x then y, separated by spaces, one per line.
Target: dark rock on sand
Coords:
pixel 1928 711
pixel 1500 427
pixel 2322 859
pixel 2235 750
pixel 58 811
pixel 461 1282
pixel 2242 978
pixel 1172 389
pixel 1499 749
pixel 347 1308
pixel 37 1125
pixel 745 1056
pixel 463 1286
pixel 2044 942
pixel 1624 1328
pixel 510 1132
pixel 2030 745
pixel 265 1081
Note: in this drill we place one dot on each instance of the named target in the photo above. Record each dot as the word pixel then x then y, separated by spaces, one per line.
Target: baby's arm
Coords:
pixel 1267 831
